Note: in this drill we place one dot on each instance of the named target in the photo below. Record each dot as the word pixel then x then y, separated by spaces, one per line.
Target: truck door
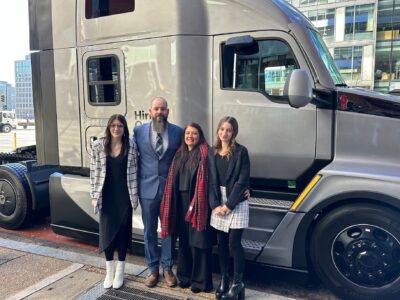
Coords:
pixel 103 93
pixel 249 84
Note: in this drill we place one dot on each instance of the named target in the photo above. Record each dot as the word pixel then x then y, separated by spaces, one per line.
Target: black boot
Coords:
pixel 236 290
pixel 223 286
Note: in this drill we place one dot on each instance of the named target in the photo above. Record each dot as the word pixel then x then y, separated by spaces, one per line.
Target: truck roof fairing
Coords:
pixel 156 18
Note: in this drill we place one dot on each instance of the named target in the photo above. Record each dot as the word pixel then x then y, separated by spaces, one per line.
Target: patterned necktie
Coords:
pixel 159 145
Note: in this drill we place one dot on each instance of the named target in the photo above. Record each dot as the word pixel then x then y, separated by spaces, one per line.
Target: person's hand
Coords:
pixel 225 210
pixel 218 211
pixel 247 194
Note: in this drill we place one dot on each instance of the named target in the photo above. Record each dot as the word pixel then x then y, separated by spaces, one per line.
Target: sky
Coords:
pixel 14 36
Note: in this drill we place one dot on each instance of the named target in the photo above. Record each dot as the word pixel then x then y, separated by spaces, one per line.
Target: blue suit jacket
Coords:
pixel 152 171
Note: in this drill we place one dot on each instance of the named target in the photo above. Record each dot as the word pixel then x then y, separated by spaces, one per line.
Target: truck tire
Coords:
pixel 355 251
pixel 6 128
pixel 15 202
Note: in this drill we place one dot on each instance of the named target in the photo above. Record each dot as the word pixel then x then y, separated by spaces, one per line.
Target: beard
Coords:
pixel 159 123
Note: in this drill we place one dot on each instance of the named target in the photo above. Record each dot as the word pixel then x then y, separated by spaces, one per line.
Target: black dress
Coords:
pixel 117 209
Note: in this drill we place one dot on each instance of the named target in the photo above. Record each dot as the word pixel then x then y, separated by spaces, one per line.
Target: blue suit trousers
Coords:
pixel 150 217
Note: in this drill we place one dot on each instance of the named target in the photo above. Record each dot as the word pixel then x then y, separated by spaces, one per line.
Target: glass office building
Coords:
pixel 363 37
pixel 23 89
pixel 7 96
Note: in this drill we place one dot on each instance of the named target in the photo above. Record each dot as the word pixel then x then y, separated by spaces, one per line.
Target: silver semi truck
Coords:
pixel 325 158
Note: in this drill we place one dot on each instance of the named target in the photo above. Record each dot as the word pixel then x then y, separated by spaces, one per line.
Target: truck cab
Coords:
pixel 8 121
pixel 325 161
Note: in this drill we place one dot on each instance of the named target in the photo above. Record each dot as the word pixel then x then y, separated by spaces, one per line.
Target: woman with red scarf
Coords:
pixel 185 211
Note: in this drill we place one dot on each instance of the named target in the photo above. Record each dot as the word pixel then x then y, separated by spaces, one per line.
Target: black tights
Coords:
pixel 120 242
pixel 231 243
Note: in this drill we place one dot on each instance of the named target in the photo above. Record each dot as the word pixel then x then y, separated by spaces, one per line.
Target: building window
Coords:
pixel 324 20
pixel 312 2
pixel 263 67
pixel 388 26
pixel 102 8
pixel 387 61
pixel 103 80
pixel 359 22
pixel 349 62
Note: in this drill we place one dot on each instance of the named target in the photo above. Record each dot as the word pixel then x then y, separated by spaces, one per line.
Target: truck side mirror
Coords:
pixel 299 87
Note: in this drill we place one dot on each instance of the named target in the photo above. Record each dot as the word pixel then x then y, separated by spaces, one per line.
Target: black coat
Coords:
pixel 237 178
pixel 198 239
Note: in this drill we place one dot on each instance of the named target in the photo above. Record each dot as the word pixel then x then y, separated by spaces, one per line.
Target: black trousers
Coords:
pixel 120 243
pixel 231 243
pixel 194 265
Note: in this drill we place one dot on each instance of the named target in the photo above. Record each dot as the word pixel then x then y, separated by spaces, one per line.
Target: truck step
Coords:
pixel 271 203
pixel 267 209
pixel 252 245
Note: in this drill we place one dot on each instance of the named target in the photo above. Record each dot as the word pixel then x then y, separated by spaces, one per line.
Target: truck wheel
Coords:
pixel 15 202
pixel 6 128
pixel 355 251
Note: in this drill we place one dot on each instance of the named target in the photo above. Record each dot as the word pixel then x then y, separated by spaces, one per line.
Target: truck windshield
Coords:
pixel 327 58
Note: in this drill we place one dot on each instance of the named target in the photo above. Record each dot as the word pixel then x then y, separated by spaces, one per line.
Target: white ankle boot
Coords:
pixel 119 275
pixel 108 281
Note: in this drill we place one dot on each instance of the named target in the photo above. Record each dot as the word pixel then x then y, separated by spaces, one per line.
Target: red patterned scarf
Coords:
pixel 197 214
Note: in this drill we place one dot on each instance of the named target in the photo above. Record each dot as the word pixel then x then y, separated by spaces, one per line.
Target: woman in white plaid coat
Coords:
pixel 114 193
pixel 229 183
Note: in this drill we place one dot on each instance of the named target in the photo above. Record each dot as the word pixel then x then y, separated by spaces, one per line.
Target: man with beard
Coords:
pixel 157 142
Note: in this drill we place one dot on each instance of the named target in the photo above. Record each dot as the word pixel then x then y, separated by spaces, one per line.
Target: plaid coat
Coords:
pixel 98 174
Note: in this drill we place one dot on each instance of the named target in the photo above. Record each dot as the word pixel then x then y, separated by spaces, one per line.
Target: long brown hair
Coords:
pixel 125 136
pixel 232 142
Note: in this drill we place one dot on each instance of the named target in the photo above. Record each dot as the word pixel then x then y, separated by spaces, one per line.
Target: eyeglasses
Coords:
pixel 117 126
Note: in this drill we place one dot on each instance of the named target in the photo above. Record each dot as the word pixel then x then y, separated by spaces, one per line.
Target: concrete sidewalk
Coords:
pixel 30 271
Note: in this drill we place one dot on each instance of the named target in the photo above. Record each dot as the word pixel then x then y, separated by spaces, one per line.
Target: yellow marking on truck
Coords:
pixel 305 192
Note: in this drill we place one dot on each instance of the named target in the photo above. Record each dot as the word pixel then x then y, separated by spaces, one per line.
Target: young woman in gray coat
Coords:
pixel 114 193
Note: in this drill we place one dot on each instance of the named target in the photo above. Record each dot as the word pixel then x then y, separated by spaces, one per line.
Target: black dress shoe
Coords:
pixel 195 290
pixel 184 284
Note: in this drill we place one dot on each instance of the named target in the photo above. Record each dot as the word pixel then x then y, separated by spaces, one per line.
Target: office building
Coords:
pixel 363 37
pixel 23 89
pixel 7 96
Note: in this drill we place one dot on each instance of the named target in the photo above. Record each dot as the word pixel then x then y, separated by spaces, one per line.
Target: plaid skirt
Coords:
pixel 238 218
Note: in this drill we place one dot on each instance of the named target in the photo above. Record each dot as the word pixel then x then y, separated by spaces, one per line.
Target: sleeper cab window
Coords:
pixel 103 80
pixel 262 66
pixel 102 8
